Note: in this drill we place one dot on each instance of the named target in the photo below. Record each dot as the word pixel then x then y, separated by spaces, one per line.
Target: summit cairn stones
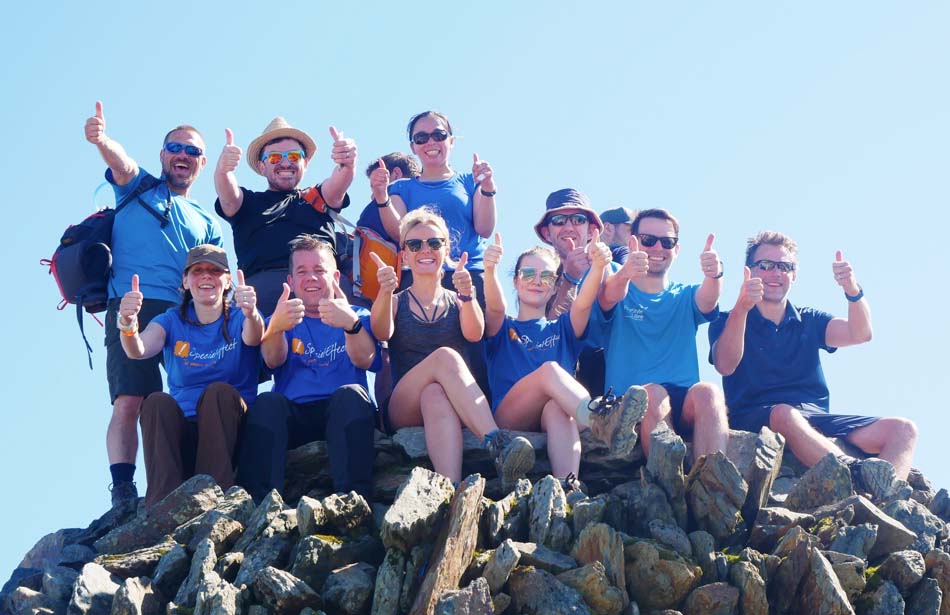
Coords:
pixel 417 511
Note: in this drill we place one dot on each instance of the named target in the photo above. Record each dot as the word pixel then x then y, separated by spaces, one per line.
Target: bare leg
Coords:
pixel 892 439
pixel 658 409
pixel 122 436
pixel 443 431
pixel 564 441
pixel 705 410
pixel 805 442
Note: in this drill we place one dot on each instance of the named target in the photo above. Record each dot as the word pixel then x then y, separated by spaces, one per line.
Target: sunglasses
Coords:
pixel 767 265
pixel 209 270
pixel 438 135
pixel 293 155
pixel 649 241
pixel 434 243
pixel 174 147
pixel 562 219
pixel 529 274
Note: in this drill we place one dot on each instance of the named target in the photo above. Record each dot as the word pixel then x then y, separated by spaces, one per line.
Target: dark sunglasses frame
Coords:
pixel 265 156
pixel 174 147
pixel 768 265
pixel 438 135
pixel 649 241
pixel 561 219
pixel 546 276
pixel 415 245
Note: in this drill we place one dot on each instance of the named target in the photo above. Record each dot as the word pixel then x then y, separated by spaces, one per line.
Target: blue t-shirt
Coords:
pixel 317 363
pixel 452 199
pixel 370 219
pixel 650 337
pixel 140 244
pixel 521 346
pixel 196 356
pixel 780 363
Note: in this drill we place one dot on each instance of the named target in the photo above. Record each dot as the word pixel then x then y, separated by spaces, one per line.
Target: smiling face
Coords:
pixel 181 170
pixel 207 283
pixel 538 290
pixel 660 258
pixel 426 260
pixel 312 275
pixel 432 153
pixel 284 175
pixel 777 283
pixel 562 237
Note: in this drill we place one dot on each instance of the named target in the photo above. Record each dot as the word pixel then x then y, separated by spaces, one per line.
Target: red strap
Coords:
pixel 312 195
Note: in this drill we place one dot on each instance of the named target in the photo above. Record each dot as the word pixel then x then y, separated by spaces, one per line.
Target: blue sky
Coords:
pixel 828 121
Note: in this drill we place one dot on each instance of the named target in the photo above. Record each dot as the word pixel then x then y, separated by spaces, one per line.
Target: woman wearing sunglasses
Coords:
pixel 211 360
pixel 532 359
pixel 427 326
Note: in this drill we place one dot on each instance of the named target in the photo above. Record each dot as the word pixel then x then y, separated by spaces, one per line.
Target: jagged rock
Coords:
pixel 639 503
pixel 541 557
pixel 500 564
pixel 57 586
pixel 927 527
pixel 892 535
pixel 850 572
pixel 260 520
pixel 508 517
pixel 346 512
pixel 417 511
pixel 712 599
pixel 237 504
pixel 141 562
pixel 266 551
pixel 601 543
pixel 925 599
pixel 93 592
pixel 938 568
pixel 171 571
pixel 772 523
pixel 885 600
pixel 136 597
pixel 903 568
pixel 940 505
pixel 745 577
pixel 76 556
pixel 546 503
pixel 821 592
pixel 282 592
pixel 202 563
pixel 826 482
pixel 27 601
pixel 407 593
pixel 315 557
pixel 792 539
pixel 559 536
pixel 702 551
pixel 538 591
pixel 716 492
pixel 672 536
pixel 311 516
pixel 349 590
pixel 665 468
pixel 474 598
pixel 657 578
pixel 857 540
pixel 113 518
pixel 219 597
pixel 501 603
pixel 587 512
pixel 388 582
pixel 454 546
pixel 591 582
pixel 783 585
pixel 761 472
pixel 220 529
pixel 194 496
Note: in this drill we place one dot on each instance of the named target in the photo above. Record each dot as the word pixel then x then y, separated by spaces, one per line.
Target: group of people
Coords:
pixel 602 338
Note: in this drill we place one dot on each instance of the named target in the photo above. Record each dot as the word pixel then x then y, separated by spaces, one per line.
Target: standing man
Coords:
pixel 618 225
pixel 319 348
pixel 166 221
pixel 767 352
pixel 265 222
pixel 649 325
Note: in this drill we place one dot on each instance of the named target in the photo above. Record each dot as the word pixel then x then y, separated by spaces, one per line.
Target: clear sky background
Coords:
pixel 828 121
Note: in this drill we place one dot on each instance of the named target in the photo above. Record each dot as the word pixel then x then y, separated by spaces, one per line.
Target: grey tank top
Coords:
pixel 414 339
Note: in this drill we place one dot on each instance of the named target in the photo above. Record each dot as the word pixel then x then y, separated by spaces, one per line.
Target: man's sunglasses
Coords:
pixel 294 155
pixel 434 243
pixel 174 147
pixel 562 219
pixel 438 135
pixel 529 274
pixel 649 241
pixel 767 265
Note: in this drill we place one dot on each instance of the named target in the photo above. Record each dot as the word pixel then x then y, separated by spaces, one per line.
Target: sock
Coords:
pixel 122 472
pixel 583 412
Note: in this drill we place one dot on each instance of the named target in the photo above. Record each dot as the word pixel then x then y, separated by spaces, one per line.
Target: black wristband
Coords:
pixel 855 298
pixel 722 270
pixel 381 205
pixel 487 192
pixel 356 328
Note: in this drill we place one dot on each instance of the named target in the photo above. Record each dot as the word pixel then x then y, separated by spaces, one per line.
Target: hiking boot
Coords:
pixel 613 421
pixel 124 495
pixel 574 489
pixel 513 456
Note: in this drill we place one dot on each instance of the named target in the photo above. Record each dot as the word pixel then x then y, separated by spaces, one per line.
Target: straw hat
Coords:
pixel 278 129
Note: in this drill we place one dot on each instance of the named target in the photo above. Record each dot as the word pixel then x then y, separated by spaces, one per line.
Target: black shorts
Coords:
pixel 829 425
pixel 677 395
pixel 138 377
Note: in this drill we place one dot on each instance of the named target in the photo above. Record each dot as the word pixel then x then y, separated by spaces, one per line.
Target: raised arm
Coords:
pixel 470 313
pixel 483 203
pixel 137 345
pixel 334 187
pixel 391 209
pixel 727 351
pixel 856 328
pixel 336 312
pixel 615 286
pixel 707 295
pixel 495 307
pixel 288 313
pixel 225 183
pixel 123 167
pixel 384 310
pixel 246 298
pixel 600 257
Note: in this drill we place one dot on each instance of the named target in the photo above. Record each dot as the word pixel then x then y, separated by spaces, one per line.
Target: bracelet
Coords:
pixel 857 297
pixel 131 330
pixel 382 205
pixel 568 277
pixel 488 193
pixel 464 298
pixel 722 270
pixel 356 328
pixel 132 325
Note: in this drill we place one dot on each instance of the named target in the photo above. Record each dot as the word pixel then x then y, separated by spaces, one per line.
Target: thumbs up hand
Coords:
pixel 335 311
pixel 245 296
pixel 131 304
pixel 599 252
pixel 709 260
pixel 844 275
pixel 288 313
pixel 96 127
pixel 483 174
pixel 461 278
pixel 751 291
pixel 637 264
pixel 493 254
pixel 379 182
pixel 385 274
pixel 230 155
pixel 344 149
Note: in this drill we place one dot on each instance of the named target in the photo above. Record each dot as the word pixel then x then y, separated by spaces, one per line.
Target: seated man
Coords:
pixel 648 328
pixel 767 352
pixel 319 348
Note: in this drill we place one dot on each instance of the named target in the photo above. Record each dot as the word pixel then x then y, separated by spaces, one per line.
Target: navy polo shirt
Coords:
pixel 780 363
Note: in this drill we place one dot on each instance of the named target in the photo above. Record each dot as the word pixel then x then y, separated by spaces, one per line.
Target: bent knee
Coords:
pixel 445 355
pixel 782 417
pixel 128 406
pixel 432 395
pixel 706 394
pixel 551 370
pixel 903 429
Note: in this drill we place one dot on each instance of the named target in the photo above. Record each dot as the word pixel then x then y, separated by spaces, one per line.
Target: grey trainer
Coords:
pixel 514 456
pixel 613 421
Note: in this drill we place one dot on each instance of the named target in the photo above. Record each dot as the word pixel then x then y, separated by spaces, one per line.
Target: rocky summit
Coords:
pixel 749 532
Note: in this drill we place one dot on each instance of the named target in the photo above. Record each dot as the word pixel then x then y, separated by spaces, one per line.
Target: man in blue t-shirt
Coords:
pixel 166 221
pixel 319 348
pixel 767 352
pixel 648 326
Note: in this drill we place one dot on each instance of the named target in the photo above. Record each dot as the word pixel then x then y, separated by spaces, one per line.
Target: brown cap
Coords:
pixel 207 253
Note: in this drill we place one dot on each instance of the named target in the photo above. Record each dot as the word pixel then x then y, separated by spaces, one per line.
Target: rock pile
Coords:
pixel 744 533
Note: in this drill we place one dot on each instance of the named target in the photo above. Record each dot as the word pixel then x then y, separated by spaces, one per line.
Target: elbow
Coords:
pixel 866 336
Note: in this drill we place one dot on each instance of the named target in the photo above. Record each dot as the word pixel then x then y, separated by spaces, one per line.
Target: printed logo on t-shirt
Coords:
pixel 182 349
pixel 548 342
pixel 323 356
pixel 637 312
pixel 193 358
pixel 296 345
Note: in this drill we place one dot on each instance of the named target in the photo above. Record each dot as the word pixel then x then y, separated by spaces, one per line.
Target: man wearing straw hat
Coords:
pixel 265 222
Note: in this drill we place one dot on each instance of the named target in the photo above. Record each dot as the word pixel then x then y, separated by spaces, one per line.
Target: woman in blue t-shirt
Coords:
pixel 211 360
pixel 532 359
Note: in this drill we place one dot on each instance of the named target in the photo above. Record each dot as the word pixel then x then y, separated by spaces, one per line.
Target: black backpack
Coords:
pixel 82 262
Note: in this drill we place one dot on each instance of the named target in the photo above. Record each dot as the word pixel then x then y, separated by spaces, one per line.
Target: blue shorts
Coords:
pixel 829 425
pixel 677 395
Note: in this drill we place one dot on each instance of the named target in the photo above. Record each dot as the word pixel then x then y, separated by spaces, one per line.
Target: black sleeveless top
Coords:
pixel 414 339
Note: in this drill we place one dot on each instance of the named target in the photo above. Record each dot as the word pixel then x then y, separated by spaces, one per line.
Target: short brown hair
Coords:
pixel 187 127
pixel 770 238
pixel 660 214
pixel 309 243
pixel 404 162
